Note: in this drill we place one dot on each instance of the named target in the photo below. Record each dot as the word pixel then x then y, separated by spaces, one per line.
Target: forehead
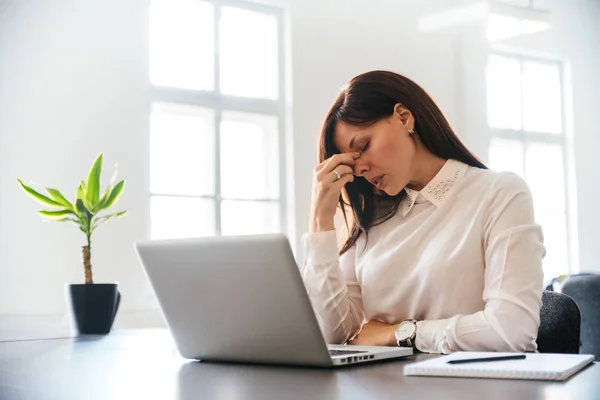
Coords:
pixel 343 133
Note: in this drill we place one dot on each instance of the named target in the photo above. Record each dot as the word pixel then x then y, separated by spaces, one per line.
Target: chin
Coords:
pixel 390 191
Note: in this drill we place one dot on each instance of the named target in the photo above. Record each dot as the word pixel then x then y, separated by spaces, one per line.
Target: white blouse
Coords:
pixel 463 256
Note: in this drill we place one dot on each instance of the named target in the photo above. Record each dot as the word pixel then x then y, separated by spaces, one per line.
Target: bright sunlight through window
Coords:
pixel 525 114
pixel 216 120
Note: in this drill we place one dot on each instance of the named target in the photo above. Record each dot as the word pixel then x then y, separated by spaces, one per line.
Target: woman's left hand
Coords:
pixel 375 333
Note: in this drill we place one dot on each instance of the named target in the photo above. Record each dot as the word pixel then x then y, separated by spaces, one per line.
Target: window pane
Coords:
pixel 542 111
pixel 554 228
pixel 545 176
pixel 248 51
pixel 249 217
pixel 502 27
pixel 181 150
pixel 507 155
pixel 182 44
pixel 181 217
pixel 503 77
pixel 532 26
pixel 249 156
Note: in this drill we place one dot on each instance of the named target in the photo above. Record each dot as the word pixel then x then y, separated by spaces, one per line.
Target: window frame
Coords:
pixel 562 139
pixel 217 102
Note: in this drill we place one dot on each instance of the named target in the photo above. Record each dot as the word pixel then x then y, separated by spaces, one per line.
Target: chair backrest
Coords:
pixel 585 291
pixel 560 324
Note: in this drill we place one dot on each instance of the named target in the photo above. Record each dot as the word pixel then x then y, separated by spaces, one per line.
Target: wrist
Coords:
pixel 322 225
pixel 392 341
pixel 405 333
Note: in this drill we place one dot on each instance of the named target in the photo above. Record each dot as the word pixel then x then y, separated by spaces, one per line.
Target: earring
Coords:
pixel 411 131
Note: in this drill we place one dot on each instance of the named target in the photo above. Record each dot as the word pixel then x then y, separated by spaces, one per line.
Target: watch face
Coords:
pixel 405 330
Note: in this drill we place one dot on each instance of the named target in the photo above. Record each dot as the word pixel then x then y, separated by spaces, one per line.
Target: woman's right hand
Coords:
pixel 327 188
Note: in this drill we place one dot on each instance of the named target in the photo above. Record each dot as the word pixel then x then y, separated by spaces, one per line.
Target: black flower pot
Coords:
pixel 94 306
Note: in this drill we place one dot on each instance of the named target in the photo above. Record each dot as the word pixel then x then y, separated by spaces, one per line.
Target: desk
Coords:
pixel 144 365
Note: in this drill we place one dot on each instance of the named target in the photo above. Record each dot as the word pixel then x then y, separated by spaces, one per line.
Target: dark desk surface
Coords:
pixel 144 365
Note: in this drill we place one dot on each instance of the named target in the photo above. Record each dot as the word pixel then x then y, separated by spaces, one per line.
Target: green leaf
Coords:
pixel 114 195
pixel 40 198
pixel 102 202
pixel 80 207
pixel 73 220
pixel 84 214
pixel 93 183
pixel 100 220
pixel 59 198
pixel 81 195
pixel 55 215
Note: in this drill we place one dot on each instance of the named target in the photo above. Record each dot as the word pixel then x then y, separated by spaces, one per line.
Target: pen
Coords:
pixel 482 359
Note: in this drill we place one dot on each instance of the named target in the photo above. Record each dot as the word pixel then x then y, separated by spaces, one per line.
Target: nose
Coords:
pixel 360 167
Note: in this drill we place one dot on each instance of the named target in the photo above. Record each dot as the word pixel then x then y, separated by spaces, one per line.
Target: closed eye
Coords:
pixel 365 147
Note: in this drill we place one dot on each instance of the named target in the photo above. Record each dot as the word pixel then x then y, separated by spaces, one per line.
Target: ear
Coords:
pixel 403 113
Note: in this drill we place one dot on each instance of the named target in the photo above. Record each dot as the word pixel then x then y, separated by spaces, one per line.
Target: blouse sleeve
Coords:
pixel 513 245
pixel 332 286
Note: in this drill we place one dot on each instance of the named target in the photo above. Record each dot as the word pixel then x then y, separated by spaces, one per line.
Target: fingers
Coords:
pixel 327 186
pixel 339 183
pixel 338 159
pixel 341 171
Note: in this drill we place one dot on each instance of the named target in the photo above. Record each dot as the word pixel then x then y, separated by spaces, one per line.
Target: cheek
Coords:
pixel 400 154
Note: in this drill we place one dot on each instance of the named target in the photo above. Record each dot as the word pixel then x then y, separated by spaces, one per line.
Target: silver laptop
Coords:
pixel 242 299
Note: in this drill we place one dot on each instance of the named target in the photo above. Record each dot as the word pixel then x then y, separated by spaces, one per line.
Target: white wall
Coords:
pixel 73 82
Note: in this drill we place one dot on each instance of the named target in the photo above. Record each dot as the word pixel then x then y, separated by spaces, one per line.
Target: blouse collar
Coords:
pixel 439 188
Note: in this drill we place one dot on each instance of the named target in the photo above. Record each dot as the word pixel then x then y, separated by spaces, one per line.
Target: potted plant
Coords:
pixel 93 305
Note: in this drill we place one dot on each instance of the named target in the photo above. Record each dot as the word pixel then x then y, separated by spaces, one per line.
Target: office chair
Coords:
pixel 585 291
pixel 560 324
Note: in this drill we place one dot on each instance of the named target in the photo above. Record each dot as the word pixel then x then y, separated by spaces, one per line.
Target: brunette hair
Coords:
pixel 367 99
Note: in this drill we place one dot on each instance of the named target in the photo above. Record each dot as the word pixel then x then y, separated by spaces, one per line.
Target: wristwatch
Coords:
pixel 406 332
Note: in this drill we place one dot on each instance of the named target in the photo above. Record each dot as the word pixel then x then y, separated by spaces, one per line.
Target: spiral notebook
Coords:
pixel 536 366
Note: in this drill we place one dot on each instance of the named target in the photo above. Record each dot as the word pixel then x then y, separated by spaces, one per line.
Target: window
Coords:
pixel 217 118
pixel 526 119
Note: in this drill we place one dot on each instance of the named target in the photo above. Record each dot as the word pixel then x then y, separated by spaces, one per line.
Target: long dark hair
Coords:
pixel 367 99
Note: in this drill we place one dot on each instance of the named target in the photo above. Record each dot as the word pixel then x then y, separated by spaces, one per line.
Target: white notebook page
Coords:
pixel 535 366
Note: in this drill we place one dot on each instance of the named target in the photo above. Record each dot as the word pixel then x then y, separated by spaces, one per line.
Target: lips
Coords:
pixel 377 180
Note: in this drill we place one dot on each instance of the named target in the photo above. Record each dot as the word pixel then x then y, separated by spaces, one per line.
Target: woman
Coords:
pixel 442 254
